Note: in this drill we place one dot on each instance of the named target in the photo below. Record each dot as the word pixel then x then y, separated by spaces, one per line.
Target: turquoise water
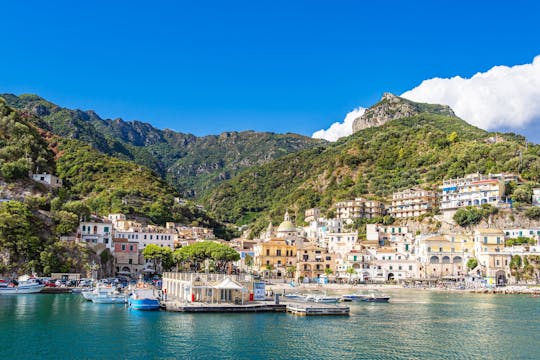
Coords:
pixel 416 324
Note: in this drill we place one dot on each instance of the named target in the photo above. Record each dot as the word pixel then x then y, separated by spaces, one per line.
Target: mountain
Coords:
pixel 419 147
pixel 33 216
pixel 193 165
pixel 392 107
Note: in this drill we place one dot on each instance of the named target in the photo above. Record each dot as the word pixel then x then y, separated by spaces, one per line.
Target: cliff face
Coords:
pixel 392 107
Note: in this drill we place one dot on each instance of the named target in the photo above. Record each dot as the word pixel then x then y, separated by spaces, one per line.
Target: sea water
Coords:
pixel 416 324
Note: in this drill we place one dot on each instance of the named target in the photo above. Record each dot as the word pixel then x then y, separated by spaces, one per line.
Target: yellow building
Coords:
pixel 274 256
pixel 312 260
pixel 444 256
pixel 493 264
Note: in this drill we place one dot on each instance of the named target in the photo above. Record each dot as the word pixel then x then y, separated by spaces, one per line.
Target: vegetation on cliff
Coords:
pixel 421 150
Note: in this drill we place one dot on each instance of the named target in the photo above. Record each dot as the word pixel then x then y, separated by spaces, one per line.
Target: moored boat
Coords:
pixel 374 298
pixel 27 286
pixel 143 299
pixel 105 295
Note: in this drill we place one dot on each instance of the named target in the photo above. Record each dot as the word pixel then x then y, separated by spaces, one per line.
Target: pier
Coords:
pixel 294 308
pixel 222 308
pixel 310 309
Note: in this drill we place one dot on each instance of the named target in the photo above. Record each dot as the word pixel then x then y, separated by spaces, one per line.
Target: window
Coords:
pixel 497 262
pixel 105 241
pixel 390 267
pixel 330 258
pixel 130 261
pixel 498 240
pixel 130 247
pixel 428 249
pixel 106 229
pixel 410 267
pixel 278 252
pixel 440 249
pixel 123 247
pixel 400 267
pixel 267 252
pixel 84 228
pixel 485 239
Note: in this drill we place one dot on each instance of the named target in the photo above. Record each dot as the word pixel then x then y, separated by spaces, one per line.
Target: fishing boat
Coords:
pixel 25 285
pixel 143 299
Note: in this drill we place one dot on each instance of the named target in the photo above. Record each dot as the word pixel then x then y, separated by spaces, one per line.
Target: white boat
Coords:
pixel 326 299
pixel 105 295
pixel 322 298
pixel 29 286
pixel 295 296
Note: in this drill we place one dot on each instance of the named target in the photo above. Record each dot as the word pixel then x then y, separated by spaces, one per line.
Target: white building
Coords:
pixel 514 233
pixel 536 197
pixel 93 233
pixel 149 235
pixel 48 179
pixel 471 190
pixel 386 264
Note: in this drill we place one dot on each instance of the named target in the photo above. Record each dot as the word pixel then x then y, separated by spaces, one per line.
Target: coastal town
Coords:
pixel 329 250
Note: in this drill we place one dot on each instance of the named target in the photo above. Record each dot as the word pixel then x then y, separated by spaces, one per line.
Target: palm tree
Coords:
pixel 291 270
pixel 350 271
pixel 269 267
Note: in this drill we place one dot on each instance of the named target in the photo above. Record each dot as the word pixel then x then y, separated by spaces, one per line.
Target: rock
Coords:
pixel 392 107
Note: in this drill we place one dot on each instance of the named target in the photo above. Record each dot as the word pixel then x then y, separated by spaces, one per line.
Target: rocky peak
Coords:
pixel 392 107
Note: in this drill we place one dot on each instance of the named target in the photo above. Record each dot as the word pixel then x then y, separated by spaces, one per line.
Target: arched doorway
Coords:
pixel 500 278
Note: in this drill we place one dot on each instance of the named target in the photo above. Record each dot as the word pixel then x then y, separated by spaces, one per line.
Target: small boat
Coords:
pixel 326 299
pixel 26 286
pixel 105 295
pixel 373 298
pixel 143 299
pixel 351 297
pixel 295 296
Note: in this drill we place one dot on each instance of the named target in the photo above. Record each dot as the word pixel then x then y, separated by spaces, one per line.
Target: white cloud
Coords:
pixel 340 129
pixel 502 97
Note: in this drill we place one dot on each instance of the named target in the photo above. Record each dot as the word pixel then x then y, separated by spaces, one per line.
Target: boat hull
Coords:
pixel 144 304
pixel 376 299
pixel 25 289
pixel 109 300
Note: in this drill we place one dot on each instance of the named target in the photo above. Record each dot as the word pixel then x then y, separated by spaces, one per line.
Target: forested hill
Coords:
pixel 193 165
pixel 422 149
pixel 33 216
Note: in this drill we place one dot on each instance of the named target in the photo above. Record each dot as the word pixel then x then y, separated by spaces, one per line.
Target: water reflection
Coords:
pixel 415 324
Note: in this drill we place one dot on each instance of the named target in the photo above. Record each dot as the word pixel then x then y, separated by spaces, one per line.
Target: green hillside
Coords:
pixel 33 217
pixel 419 150
pixel 193 165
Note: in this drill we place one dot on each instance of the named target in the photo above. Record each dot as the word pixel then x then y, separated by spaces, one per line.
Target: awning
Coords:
pixel 227 283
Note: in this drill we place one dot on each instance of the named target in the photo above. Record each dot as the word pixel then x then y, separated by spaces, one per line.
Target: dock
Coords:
pixel 310 309
pixel 294 308
pixel 222 308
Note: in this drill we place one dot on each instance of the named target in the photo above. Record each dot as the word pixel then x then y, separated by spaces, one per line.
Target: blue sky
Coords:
pixel 285 66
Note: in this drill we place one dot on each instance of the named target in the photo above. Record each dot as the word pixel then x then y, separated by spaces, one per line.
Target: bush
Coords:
pixel 533 213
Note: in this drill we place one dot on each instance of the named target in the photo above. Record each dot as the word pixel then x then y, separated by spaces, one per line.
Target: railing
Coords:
pixel 204 277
